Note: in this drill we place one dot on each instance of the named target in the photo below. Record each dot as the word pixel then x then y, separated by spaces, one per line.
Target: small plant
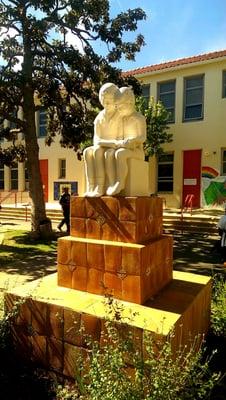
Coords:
pixel 218 306
pixel 126 365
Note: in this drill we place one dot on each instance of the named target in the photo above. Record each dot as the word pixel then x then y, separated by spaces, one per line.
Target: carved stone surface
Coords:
pixel 119 134
pixel 124 219
pixel 131 272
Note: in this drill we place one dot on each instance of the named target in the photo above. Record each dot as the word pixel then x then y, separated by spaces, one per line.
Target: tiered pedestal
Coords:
pixel 96 260
pixel 116 248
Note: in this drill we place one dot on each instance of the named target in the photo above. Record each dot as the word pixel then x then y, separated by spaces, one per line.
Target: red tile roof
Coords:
pixel 176 63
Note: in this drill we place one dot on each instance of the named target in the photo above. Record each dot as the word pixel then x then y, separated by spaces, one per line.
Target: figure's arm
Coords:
pixel 107 143
pixel 138 136
pixel 99 141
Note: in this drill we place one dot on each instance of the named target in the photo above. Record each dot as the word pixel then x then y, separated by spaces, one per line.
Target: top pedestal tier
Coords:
pixel 122 219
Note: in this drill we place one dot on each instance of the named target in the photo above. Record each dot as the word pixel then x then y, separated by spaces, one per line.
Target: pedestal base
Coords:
pixel 130 272
pixel 46 330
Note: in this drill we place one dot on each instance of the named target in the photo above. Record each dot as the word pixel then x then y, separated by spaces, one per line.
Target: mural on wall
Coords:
pixel 213 187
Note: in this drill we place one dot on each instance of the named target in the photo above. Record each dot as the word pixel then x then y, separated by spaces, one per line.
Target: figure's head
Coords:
pixel 107 95
pixel 65 190
pixel 125 101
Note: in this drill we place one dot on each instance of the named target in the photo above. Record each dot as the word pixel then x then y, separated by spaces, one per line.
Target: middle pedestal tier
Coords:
pixel 127 271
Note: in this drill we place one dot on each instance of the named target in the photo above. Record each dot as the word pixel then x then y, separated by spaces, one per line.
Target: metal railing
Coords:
pixel 15 196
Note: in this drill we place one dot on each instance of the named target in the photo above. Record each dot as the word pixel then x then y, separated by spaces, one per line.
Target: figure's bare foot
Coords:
pixel 99 191
pixel 90 191
pixel 109 190
pixel 113 190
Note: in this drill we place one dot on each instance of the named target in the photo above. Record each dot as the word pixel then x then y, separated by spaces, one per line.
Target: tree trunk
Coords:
pixel 39 222
pixel 40 225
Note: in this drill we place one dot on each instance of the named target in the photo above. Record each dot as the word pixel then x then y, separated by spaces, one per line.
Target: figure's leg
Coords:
pixel 98 155
pixel 110 168
pixel 121 157
pixel 89 170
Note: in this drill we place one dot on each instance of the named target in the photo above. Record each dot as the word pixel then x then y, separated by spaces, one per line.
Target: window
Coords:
pixel 223 167
pixel 146 93
pixel 224 84
pixel 42 122
pixel 1 127
pixel 62 168
pixel 193 98
pixel 166 94
pixel 2 177
pixel 12 125
pixel 165 173
pixel 14 176
pixel 26 177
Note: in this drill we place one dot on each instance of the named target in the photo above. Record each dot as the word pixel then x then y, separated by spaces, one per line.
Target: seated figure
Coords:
pixel 133 125
pixel 106 135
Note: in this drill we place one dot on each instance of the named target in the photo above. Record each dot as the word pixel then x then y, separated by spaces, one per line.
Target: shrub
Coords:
pixel 123 366
pixel 218 306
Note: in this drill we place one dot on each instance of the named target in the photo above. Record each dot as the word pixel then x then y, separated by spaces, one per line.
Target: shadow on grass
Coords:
pixel 20 254
pixel 198 253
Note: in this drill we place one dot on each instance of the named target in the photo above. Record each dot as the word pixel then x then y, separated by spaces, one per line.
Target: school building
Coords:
pixel 193 90
pixel 59 168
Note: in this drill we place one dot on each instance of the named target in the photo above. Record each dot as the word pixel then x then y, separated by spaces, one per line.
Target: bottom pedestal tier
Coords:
pixel 47 329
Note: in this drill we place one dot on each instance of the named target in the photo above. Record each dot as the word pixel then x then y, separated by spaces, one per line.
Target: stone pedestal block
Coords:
pixel 140 185
pixel 128 271
pixel 124 219
pixel 48 332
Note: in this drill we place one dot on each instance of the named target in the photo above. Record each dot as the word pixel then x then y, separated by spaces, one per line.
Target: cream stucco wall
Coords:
pixel 208 134
pixel 74 167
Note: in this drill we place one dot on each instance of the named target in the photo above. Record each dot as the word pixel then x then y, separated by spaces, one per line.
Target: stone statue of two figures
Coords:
pixel 119 134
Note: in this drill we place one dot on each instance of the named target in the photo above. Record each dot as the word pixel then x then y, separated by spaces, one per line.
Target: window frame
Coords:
pixel 14 167
pixel 195 104
pixel 2 169
pixel 223 150
pixel 42 110
pixel 224 84
pixel 61 168
pixel 170 121
pixel 26 176
pixel 166 178
pixel 146 98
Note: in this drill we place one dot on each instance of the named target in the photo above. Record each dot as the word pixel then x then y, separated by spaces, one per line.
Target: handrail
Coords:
pixel 12 194
pixel 6 197
pixel 188 203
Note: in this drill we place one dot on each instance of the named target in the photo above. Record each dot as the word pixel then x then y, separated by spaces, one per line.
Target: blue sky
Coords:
pixel 176 28
pixel 173 29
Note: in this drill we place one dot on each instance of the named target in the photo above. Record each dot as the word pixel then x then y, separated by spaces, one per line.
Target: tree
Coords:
pixel 56 74
pixel 157 118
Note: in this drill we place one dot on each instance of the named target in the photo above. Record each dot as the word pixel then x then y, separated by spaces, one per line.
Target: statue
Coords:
pixel 119 134
pixel 106 133
pixel 131 146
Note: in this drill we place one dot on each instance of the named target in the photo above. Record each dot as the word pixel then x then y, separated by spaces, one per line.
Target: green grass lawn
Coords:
pixel 20 254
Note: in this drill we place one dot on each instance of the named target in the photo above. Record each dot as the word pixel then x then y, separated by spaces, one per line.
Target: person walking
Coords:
pixel 65 204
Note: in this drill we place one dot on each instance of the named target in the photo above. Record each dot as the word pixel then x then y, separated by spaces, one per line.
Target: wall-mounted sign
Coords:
pixel 190 182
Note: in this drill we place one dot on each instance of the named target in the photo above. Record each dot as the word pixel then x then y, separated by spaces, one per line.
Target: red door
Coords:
pixel 44 175
pixel 192 175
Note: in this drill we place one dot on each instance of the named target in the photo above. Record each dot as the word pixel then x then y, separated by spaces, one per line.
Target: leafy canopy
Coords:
pixel 65 78
pixel 157 118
